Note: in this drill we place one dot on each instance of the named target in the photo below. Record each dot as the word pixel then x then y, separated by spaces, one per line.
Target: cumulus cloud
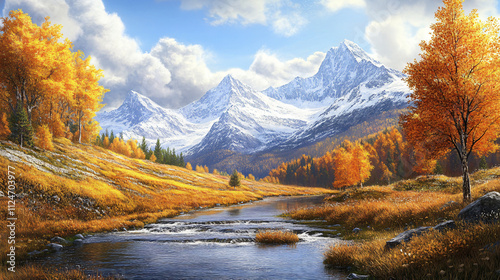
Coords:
pixel 172 73
pixel 102 35
pixel 282 15
pixel 192 77
pixel 397 27
pixel 337 5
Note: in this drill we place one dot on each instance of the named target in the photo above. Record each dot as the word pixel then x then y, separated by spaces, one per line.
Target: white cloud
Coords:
pixel 397 27
pixel 172 74
pixel 282 15
pixel 337 5
pixel 191 77
pixel 231 11
pixel 102 35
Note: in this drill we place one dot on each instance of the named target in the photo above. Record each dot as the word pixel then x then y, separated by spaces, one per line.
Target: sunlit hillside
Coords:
pixel 84 188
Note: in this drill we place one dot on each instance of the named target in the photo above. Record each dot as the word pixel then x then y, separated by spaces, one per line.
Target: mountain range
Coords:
pixel 349 88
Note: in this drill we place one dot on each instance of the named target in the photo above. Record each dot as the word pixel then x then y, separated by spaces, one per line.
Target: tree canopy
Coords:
pixel 40 73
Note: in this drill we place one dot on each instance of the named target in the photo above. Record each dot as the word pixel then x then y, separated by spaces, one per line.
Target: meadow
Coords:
pixel 470 251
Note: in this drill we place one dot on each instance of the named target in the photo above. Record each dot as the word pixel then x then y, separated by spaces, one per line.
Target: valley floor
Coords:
pixel 84 189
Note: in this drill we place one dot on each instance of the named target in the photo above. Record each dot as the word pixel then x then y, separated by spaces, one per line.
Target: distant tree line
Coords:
pixel 132 148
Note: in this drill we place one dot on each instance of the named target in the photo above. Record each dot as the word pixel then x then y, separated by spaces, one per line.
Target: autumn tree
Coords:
pixel 153 158
pixel 344 177
pixel 188 166
pixel 455 99
pixel 44 138
pixel 4 127
pixel 34 61
pixel 360 164
pixel 87 95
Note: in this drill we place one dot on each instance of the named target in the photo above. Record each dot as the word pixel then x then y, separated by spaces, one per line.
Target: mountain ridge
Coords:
pixel 348 88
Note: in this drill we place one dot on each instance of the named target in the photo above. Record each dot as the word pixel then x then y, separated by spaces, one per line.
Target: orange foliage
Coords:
pixel 44 138
pixel 188 166
pixel 4 127
pixel 152 158
pixel 456 87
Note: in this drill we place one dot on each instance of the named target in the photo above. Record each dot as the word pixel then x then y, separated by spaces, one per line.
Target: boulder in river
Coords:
pixel 54 247
pixel 484 209
pixel 59 240
pixel 354 276
pixel 79 236
pixel 78 242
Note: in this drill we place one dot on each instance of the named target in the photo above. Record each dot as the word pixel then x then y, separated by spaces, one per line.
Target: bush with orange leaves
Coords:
pixel 44 138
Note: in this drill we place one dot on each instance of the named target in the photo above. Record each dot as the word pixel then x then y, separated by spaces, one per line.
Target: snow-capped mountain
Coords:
pixel 348 89
pixel 344 68
pixel 139 116
pixel 246 120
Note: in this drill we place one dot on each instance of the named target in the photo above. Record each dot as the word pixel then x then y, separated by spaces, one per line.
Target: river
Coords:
pixel 214 243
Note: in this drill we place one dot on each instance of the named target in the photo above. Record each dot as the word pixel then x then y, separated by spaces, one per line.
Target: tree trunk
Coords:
pixel 466 180
pixel 79 129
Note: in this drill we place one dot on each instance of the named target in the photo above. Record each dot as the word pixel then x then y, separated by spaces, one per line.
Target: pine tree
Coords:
pixel 234 181
pixel 20 127
pixel 482 163
pixel 158 152
pixel 111 137
pixel 144 145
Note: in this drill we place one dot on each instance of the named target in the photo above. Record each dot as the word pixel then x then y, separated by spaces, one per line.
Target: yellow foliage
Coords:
pixel 188 166
pixel 44 138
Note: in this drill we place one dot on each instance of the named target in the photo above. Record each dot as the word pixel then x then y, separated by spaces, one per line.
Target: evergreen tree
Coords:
pixel 144 145
pixel 121 135
pixel 158 151
pixel 482 163
pixel 234 181
pixel 111 137
pixel 20 127
pixel 438 169
pixel 181 161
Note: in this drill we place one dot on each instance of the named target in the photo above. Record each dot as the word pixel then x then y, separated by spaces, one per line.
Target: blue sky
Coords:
pixel 173 51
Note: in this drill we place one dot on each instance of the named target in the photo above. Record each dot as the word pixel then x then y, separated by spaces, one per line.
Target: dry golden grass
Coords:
pixel 40 273
pixel 276 237
pixel 454 254
pixel 83 188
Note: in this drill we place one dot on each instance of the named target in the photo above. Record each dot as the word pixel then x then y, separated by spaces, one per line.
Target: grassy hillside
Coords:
pixel 382 212
pixel 84 188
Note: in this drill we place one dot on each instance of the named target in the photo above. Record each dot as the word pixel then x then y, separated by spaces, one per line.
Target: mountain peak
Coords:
pixel 136 100
pixel 356 52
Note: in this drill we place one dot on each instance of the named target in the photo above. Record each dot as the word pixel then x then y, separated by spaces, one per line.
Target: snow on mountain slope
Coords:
pixel 139 116
pixel 343 69
pixel 248 120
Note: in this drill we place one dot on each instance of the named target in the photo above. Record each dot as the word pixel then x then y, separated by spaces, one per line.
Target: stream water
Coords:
pixel 215 243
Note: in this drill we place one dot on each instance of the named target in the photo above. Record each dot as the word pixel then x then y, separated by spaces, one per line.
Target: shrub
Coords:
pixel 276 237
pixel 44 138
